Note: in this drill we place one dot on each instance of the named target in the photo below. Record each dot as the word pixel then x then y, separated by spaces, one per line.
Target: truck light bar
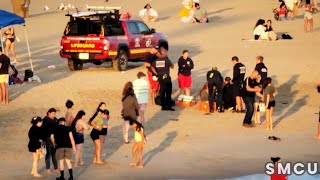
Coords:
pixel 102 8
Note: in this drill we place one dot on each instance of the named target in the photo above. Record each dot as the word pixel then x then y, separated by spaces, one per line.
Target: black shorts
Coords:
pixel 271 104
pixel 79 138
pixel 236 91
pixel 104 131
pixel 94 134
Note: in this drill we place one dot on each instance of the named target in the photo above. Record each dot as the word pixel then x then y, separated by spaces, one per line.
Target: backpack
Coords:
pixel 286 36
pixel 27 74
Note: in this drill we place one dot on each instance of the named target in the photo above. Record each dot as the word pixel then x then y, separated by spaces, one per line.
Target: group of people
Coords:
pixel 193 13
pixel 263 31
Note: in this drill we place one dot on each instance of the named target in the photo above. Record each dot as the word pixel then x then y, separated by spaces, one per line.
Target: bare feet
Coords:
pixel 49 172
pixel 133 164
pixel 57 171
pixel 317 137
pixel 140 167
pixel 99 162
pixel 37 175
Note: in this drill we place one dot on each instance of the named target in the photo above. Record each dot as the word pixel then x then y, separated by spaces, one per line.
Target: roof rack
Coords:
pixel 102 8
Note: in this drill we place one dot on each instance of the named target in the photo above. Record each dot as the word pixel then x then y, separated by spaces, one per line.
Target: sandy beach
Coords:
pixel 196 146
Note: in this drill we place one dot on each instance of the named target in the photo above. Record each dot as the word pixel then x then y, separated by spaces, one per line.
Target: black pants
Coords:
pixel 165 91
pixel 212 98
pixel 51 154
pixel 249 101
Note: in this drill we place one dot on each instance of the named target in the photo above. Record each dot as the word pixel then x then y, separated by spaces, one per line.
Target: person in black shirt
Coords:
pixel 251 86
pixel 215 80
pixel 261 68
pixel 4 77
pixel 35 139
pixel 227 95
pixel 161 67
pixel 239 72
pixel 184 73
pixel 49 125
pixel 317 86
pixel 63 141
pixel 149 60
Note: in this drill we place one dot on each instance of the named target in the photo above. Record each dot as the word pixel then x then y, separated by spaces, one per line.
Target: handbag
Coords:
pixel 262 107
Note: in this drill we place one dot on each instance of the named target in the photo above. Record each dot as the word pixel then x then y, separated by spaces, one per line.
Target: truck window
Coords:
pixel 133 28
pixel 114 29
pixel 82 27
pixel 143 28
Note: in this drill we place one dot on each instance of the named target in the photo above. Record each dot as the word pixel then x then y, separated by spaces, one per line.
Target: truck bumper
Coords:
pixel 92 56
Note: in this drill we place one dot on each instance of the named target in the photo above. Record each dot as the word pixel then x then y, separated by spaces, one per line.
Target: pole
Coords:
pixel 29 53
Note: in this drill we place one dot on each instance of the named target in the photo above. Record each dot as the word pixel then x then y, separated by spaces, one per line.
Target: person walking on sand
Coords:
pixel 130 112
pixel 36 138
pixel 68 116
pixel 308 18
pixel 239 72
pixel 317 86
pixel 269 98
pixel 154 84
pixel 251 86
pixel 138 145
pixel 50 123
pixel 184 73
pixel 141 90
pixel 63 141
pixel 4 77
pixel 10 43
pixel 78 127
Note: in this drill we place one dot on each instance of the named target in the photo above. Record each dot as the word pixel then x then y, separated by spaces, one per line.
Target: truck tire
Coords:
pixel 121 62
pixel 75 65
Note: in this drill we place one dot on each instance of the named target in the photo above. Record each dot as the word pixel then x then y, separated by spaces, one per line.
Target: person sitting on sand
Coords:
pixel 260 33
pixel 187 11
pixel 282 11
pixel 204 93
pixel 200 14
pixel 268 26
pixel 148 14
pixel 227 95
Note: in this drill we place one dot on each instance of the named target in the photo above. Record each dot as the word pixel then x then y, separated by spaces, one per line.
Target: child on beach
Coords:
pixel 308 19
pixel 282 12
pixel 138 145
pixel 35 139
pixel 68 115
pixel 269 99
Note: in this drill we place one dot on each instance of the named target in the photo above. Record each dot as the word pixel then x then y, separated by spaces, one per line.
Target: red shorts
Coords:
pixel 154 84
pixel 184 81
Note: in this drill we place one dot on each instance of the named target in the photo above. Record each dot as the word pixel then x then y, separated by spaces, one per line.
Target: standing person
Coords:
pixel 4 77
pixel 227 93
pixel 184 73
pixel 50 123
pixel 98 125
pixel 261 68
pixel 251 86
pixel 138 145
pixel 239 72
pixel 63 141
pixel 68 116
pixel 161 67
pixel 35 139
pixel 317 86
pixel 308 19
pixel 141 90
pixel 128 85
pixel 154 84
pixel 78 127
pixel 130 112
pixel 10 42
pixel 269 98
pixel 215 81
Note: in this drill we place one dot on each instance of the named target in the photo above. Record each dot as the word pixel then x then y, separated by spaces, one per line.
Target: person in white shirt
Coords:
pixel 260 33
pixel 148 14
pixel 141 90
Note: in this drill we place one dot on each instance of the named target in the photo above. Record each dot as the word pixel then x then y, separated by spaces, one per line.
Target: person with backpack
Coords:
pixel 78 126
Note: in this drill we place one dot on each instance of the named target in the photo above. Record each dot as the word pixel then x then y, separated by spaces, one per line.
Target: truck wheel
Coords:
pixel 121 62
pixel 75 65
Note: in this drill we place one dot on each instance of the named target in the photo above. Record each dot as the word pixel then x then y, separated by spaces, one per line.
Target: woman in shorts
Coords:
pixel 269 99
pixel 308 19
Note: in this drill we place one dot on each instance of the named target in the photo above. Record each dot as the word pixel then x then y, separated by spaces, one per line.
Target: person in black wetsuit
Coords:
pixel 215 79
pixel 36 137
pixel 239 72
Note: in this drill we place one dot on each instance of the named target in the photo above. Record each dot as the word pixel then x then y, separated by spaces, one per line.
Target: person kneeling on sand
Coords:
pixel 200 14
pixel 260 33
pixel 148 14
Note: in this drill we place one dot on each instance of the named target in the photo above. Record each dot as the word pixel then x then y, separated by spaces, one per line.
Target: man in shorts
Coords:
pixel 4 77
pixel 239 72
pixel 154 84
pixel 63 141
pixel 141 90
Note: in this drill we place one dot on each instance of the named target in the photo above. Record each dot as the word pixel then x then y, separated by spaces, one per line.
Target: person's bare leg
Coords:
pixel 95 153
pixel 256 105
pixel 6 50
pixel 267 119
pixel 69 164
pixel 102 140
pixel 151 93
pixel 311 24
pixel 6 95
pixel 77 156
pixel 34 171
pixel 12 46
pixel 305 25
pixel 318 135
pixel 98 151
pixel 3 93
pixel 238 103
pixel 187 91
pixel 141 117
pixel 80 155
pixel 243 105
pixel 270 117
pixel 134 155
pixel 61 165
pixel 1 97
pixel 139 151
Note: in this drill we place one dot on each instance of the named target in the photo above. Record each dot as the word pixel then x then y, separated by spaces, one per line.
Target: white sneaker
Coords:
pixel 46 8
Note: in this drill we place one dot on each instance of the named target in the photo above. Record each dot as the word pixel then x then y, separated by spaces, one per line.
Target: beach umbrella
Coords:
pixel 10 19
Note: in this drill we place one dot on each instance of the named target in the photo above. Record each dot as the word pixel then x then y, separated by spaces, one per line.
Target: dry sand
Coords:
pixel 196 146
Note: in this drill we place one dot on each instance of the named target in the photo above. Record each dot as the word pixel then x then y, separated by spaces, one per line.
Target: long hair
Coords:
pixel 126 87
pixel 129 92
pixel 79 115
pixel 267 82
pixel 97 112
pixel 139 125
pixel 259 22
pixel 204 87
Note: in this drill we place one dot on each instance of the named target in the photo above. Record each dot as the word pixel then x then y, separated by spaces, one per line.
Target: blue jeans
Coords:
pixel 249 101
pixel 51 154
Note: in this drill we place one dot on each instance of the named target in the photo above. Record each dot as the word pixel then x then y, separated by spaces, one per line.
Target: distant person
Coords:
pixel 317 86
pixel 184 73
pixel 50 123
pixel 282 11
pixel 308 19
pixel 204 93
pixel 215 83
pixel 239 72
pixel 63 141
pixel 268 26
pixel 125 16
pixel 227 95
pixel 78 127
pixel 130 112
pixel 187 11
pixel 154 84
pixel 36 138
pixel 148 14
pixel 269 99
pixel 4 77
pixel 261 68
pixel 161 67
pixel 260 33
pixel 141 90
pixel 251 86
pixel 200 14
pixel 10 43
pixel 138 145
pixel 68 116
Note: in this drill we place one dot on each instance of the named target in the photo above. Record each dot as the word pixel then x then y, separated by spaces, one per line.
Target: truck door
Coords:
pixel 135 41
pixel 147 38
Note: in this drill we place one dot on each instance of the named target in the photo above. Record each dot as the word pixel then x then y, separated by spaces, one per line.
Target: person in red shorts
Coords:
pixel 184 73
pixel 154 84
